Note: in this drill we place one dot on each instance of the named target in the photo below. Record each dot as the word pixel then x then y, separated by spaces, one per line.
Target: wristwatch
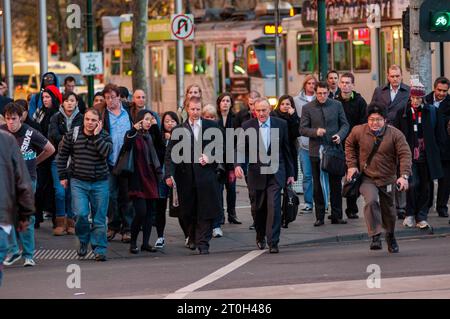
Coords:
pixel 405 176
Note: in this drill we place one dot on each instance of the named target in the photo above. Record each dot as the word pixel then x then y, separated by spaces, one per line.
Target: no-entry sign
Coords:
pixel 182 26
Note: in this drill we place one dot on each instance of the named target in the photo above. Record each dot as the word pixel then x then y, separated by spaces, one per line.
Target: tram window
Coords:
pixel 188 66
pixel 361 49
pixel 200 59
pixel 126 62
pixel 116 54
pixel 239 59
pixel 171 61
pixel 305 58
pixel 341 51
pixel 261 61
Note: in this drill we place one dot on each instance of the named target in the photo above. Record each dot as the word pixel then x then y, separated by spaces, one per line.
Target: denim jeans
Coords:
pixel 26 237
pixel 305 164
pixel 87 195
pixel 63 200
pixel 3 250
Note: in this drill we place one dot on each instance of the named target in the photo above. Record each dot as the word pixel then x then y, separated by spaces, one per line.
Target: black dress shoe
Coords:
pixel 261 244
pixel 192 246
pixel 401 215
pixel 83 249
pixel 252 227
pixel 203 252
pixel 319 222
pixel 376 243
pixel 274 249
pixel 442 214
pixel 148 248
pixel 352 216
pixel 134 249
pixel 392 243
pixel 338 221
pixel 233 220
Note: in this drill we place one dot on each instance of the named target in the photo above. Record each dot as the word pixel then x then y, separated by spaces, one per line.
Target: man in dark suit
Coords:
pixel 266 175
pixel 195 177
pixel 440 99
pixel 393 97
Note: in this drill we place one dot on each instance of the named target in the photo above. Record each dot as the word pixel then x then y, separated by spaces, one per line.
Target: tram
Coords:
pixel 234 56
pixel 363 37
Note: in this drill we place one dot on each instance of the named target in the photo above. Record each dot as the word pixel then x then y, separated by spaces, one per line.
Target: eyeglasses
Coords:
pixel 112 97
pixel 378 120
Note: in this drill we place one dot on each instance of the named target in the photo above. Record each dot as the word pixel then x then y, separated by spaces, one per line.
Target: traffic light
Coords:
pixel 440 21
pixel 435 21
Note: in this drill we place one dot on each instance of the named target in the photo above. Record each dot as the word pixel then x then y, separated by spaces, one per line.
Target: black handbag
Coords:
pixel 351 187
pixel 125 163
pixel 333 160
pixel 290 206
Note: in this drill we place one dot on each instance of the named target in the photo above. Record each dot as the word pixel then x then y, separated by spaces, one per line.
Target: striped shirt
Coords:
pixel 88 156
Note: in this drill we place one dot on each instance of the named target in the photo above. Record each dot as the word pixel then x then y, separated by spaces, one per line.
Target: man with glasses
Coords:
pixel 117 122
pixel 324 122
pixel 379 177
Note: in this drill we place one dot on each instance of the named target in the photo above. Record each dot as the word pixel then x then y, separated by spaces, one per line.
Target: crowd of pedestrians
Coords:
pixel 111 172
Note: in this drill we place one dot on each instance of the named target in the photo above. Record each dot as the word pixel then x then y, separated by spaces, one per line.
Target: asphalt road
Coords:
pixel 421 269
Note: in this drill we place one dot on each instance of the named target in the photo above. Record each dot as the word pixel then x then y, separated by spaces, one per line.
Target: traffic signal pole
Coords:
pixel 43 46
pixel 8 47
pixel 180 61
pixel 90 48
pixel 322 29
pixel 420 50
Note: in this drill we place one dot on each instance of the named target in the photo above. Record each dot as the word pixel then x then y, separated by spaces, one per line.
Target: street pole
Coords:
pixel 43 47
pixel 90 48
pixel 8 47
pixel 180 61
pixel 277 49
pixel 420 50
pixel 322 29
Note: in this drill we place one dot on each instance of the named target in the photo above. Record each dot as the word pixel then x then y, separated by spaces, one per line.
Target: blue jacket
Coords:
pixel 36 100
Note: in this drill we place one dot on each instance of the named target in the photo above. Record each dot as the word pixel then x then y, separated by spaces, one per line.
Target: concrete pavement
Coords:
pixel 237 237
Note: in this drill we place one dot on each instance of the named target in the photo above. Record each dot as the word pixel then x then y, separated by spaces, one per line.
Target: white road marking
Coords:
pixel 183 292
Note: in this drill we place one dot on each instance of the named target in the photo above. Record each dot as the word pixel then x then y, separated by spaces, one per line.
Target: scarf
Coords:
pixel 419 143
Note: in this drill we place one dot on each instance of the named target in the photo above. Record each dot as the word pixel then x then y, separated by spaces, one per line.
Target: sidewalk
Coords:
pixel 239 237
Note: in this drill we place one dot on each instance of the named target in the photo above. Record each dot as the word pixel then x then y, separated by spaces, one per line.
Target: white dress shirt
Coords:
pixel 196 126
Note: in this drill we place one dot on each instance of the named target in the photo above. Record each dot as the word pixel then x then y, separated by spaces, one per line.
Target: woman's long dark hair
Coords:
pixel 220 98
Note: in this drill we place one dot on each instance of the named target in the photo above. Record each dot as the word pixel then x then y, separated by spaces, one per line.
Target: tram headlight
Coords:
pixel 273 101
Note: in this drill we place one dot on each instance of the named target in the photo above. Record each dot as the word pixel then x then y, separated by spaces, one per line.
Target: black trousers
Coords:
pixel 335 192
pixel 160 216
pixel 443 192
pixel 418 193
pixel 143 218
pixel 200 230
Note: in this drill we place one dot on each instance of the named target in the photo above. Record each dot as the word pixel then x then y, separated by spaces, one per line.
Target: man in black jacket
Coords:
pixel 16 197
pixel 355 111
pixel 439 98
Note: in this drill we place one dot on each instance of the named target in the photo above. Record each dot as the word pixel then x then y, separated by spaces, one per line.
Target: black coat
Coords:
pixel 190 175
pixel 355 109
pixel 231 118
pixel 58 127
pixel 433 133
pixel 444 113
pixel 293 123
pixel 382 96
pixel 241 117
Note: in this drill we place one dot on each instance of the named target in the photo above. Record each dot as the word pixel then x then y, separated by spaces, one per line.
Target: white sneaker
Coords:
pixel 159 242
pixel 409 221
pixel 29 262
pixel 11 259
pixel 423 224
pixel 217 232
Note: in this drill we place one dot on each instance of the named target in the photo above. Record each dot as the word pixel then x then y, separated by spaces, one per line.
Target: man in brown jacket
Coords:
pixel 380 176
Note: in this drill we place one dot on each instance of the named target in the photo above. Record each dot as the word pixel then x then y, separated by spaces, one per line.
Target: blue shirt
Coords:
pixel 119 125
pixel 264 129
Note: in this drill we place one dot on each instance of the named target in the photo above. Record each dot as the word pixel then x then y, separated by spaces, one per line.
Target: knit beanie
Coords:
pixel 417 89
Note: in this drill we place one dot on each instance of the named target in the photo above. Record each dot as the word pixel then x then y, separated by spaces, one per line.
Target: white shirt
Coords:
pixel 310 97
pixel 196 126
pixel 7 228
pixel 264 131
pixel 393 93
pixel 436 102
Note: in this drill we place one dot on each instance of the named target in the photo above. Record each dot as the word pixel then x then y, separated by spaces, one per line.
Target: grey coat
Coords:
pixel 313 118
pixel 382 96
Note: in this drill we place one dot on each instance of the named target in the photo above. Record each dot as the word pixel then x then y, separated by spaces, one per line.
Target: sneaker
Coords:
pixel 159 242
pixel 409 221
pixel 423 224
pixel 306 209
pixel 12 259
pixel 29 262
pixel 217 232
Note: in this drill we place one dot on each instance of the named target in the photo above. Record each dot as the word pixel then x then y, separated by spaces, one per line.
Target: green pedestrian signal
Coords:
pixel 440 21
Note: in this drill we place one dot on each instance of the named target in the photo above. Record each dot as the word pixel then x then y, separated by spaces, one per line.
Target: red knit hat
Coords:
pixel 417 89
pixel 54 91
